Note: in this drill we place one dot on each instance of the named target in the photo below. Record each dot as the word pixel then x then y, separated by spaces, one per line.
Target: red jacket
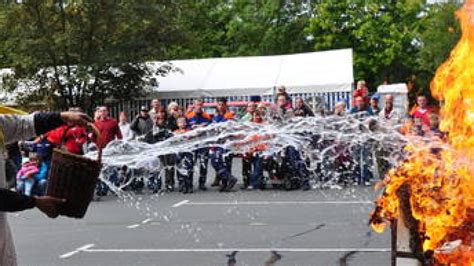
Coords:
pixel 74 139
pixel 109 130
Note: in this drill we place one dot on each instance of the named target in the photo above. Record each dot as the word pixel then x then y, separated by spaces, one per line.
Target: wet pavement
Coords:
pixel 318 227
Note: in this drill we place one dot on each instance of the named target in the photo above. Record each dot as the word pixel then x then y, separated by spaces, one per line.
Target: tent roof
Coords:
pixel 326 71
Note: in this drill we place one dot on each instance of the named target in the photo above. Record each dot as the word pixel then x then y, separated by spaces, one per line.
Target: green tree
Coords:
pixel 83 52
pixel 439 32
pixel 243 28
pixel 382 33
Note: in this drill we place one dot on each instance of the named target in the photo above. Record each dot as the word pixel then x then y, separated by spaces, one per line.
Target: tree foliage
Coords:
pixel 82 52
pixel 85 51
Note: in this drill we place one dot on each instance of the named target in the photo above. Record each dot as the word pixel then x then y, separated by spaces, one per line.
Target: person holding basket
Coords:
pixel 15 127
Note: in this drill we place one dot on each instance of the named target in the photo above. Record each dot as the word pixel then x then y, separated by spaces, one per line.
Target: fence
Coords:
pixel 131 108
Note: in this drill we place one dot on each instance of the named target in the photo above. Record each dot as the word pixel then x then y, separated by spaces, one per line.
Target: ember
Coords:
pixel 440 176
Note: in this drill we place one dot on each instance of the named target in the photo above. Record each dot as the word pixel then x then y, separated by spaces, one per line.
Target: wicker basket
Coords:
pixel 73 177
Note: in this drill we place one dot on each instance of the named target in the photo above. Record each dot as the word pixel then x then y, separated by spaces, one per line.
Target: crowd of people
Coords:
pixel 156 123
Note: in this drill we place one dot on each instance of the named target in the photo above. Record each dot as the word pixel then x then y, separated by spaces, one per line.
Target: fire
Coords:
pixel 441 175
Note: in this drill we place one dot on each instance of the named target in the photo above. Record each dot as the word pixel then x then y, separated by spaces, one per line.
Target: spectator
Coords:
pixel 422 110
pixel 434 127
pixel 361 152
pixel 282 112
pixel 72 136
pixel 143 123
pixel 302 109
pixel 218 160
pixel 41 178
pixel 108 128
pixel 388 113
pixel 199 118
pixel 251 108
pixel 96 114
pixel 282 91
pixel 361 91
pixel 374 104
pixel 160 133
pixel 155 108
pixel 340 108
pixel 361 107
pixel 222 112
pixel 184 161
pixel 127 133
pixel 260 114
pixel 25 177
pixel 246 163
pixel 173 114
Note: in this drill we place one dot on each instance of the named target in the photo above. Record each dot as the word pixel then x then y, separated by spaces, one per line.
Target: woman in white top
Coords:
pixel 127 133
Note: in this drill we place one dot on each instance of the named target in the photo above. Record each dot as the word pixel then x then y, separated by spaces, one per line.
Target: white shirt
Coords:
pixel 127 133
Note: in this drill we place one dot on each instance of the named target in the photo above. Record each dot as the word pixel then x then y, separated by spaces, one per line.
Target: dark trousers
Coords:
pixel 220 163
pixel 185 166
pixel 246 170
pixel 168 161
pixel 255 179
pixel 202 157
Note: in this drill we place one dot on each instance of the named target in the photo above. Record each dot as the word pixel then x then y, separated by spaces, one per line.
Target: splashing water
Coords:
pixel 330 148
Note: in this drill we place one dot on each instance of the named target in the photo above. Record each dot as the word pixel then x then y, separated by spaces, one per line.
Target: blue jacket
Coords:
pixel 218 118
pixel 368 111
pixel 43 172
pixel 199 119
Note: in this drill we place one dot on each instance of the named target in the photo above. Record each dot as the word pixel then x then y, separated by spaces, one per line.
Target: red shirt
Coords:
pixel 74 139
pixel 423 114
pixel 362 92
pixel 109 130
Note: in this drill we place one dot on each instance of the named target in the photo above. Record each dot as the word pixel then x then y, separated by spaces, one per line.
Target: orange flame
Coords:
pixel 442 181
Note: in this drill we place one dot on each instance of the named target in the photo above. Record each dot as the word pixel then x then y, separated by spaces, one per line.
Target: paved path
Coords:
pixel 318 227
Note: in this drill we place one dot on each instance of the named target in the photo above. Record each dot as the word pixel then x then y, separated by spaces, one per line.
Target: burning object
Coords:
pixel 439 177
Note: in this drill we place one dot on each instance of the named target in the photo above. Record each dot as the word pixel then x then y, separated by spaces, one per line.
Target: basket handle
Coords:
pixel 96 132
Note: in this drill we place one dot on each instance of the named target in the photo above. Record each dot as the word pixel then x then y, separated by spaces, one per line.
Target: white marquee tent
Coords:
pixel 317 72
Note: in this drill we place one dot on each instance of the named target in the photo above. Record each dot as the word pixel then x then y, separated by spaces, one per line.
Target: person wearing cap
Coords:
pixel 374 104
pixel 142 124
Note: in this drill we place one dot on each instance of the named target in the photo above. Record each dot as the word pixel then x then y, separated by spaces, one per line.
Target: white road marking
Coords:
pixel 147 221
pixel 77 250
pixel 210 250
pixel 138 224
pixel 133 226
pixel 257 224
pixel 181 203
pixel 188 203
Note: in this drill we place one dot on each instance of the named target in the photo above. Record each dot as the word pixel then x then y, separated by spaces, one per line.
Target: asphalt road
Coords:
pixel 318 227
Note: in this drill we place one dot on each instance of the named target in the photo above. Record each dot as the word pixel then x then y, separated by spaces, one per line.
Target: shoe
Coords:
pixel 216 182
pixel 306 187
pixel 202 188
pixel 169 188
pixel 223 186
pixel 367 184
pixel 230 184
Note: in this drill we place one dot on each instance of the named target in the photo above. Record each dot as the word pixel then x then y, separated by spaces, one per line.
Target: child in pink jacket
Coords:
pixel 25 176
